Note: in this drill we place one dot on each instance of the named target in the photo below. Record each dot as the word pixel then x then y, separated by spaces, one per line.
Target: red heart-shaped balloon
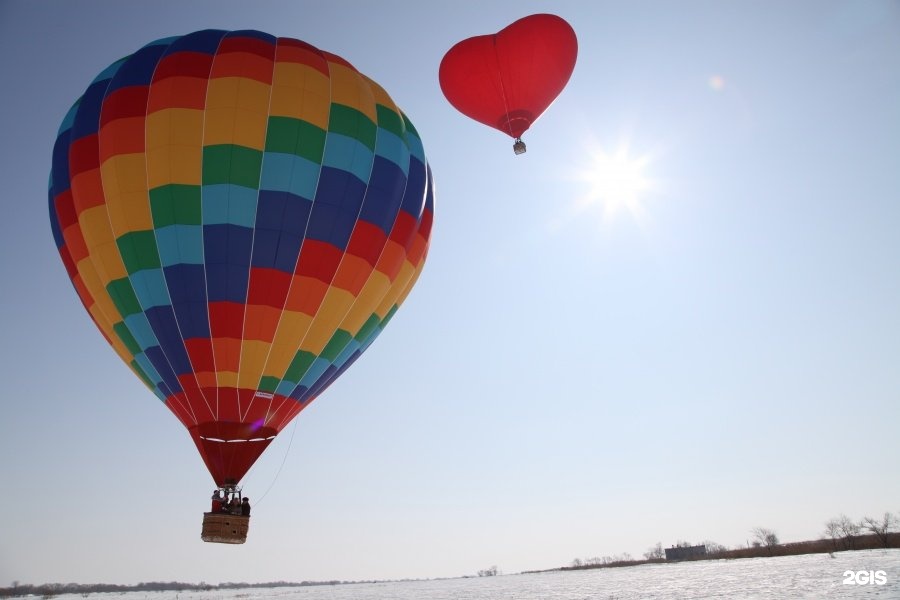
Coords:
pixel 507 79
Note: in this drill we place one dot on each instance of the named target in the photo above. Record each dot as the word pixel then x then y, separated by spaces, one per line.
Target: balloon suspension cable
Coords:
pixel 519 146
pixel 281 466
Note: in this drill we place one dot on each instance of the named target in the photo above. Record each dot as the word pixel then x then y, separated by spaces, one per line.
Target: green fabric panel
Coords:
pixel 269 384
pixel 410 128
pixel 175 204
pixel 299 366
pixel 293 136
pixel 389 120
pixel 227 163
pixel 127 339
pixel 336 344
pixel 352 123
pixel 368 327
pixel 122 295
pixel 139 251
pixel 140 373
pixel 390 315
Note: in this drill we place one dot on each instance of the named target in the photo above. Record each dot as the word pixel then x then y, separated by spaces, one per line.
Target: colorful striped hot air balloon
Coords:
pixel 241 215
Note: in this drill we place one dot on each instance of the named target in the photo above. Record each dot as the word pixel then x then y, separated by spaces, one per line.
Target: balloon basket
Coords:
pixel 224 528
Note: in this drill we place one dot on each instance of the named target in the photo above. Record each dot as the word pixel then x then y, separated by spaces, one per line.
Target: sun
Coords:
pixel 615 181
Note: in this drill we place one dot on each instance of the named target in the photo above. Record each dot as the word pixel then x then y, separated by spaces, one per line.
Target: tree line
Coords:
pixel 841 533
pixel 49 590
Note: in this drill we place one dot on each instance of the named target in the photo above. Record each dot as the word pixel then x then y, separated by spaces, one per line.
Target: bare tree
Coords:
pixel 655 552
pixel 714 548
pixel 849 530
pixel 764 537
pixel 489 572
pixel 833 530
pixel 881 528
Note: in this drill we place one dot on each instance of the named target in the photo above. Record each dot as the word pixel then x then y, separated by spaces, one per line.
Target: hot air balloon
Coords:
pixel 241 215
pixel 508 79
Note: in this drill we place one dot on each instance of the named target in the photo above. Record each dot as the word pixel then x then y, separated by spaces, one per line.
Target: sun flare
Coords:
pixel 615 181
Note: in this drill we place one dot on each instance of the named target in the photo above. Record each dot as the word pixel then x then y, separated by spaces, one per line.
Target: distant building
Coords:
pixel 685 552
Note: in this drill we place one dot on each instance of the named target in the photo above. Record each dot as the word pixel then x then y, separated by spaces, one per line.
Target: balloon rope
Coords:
pixel 283 460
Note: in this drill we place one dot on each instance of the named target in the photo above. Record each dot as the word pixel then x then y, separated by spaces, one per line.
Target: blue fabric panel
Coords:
pixel 110 71
pixel 162 319
pixel 385 193
pixel 138 68
pixel 193 319
pixel 186 283
pixel 229 203
pixel 289 173
pixel 413 199
pixel 285 388
pixel 179 244
pixel 392 148
pixel 299 393
pixel 69 119
pixel 282 211
pixel 150 288
pixel 87 119
pixel 348 154
pixel 60 168
pixel 139 327
pixel 252 33
pixel 288 252
pixel 336 208
pixel 148 368
pixel 156 356
pixel 205 42
pixel 280 223
pixel 319 366
pixel 227 283
pixel 265 248
pixel 227 250
pixel 227 244
pixel 413 142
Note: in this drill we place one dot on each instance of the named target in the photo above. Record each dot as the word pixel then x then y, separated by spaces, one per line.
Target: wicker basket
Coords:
pixel 223 528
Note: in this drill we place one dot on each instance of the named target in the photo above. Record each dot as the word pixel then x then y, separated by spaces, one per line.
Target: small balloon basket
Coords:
pixel 224 528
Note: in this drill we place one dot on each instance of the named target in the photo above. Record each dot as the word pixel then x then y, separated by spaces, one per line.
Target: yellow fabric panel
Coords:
pixel 107 329
pixel 97 289
pixel 174 127
pixel 236 112
pixel 174 164
pixel 411 283
pixel 350 89
pixel 369 298
pixel 400 283
pixel 125 186
pixel 174 147
pixel 226 378
pixel 334 307
pixel 206 379
pixel 108 262
pixel 95 229
pixel 291 330
pixel 253 359
pixel 381 96
pixel 300 92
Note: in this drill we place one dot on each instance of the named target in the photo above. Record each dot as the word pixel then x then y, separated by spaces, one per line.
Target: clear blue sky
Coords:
pixel 572 377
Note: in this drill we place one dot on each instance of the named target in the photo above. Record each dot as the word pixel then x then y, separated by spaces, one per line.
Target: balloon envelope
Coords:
pixel 508 79
pixel 240 215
